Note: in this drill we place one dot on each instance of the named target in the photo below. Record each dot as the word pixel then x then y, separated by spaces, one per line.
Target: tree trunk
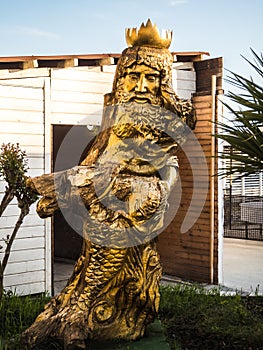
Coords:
pixel 1 282
pixel 8 197
pixel 23 213
pixel 113 302
pixel 113 292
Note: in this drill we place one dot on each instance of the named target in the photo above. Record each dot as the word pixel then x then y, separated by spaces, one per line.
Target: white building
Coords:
pixel 39 98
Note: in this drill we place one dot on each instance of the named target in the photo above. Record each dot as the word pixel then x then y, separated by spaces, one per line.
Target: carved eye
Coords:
pixel 151 78
pixel 133 77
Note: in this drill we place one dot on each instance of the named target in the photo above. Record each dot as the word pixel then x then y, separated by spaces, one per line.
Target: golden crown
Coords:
pixel 148 35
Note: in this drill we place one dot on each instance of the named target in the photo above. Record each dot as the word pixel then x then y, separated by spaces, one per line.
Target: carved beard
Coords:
pixel 122 97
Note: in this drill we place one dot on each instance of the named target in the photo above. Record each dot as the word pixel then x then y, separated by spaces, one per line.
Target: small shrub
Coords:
pixel 13 167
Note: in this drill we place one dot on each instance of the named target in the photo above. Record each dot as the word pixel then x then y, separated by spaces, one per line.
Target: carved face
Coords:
pixel 141 84
pixel 138 83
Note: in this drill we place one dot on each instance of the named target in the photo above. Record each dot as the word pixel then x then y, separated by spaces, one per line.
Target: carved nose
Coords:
pixel 141 85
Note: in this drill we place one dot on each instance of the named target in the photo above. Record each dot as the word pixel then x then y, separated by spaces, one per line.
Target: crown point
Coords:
pixel 149 22
pixel 148 35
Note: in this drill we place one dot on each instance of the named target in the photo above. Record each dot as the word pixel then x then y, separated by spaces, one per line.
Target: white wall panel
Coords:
pixel 22 121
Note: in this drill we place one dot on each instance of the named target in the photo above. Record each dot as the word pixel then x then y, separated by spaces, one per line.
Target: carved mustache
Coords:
pixel 129 96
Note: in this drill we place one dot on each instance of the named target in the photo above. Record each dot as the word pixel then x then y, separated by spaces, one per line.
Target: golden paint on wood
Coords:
pixel 113 292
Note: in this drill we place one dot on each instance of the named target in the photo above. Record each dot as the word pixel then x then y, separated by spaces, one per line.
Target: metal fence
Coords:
pixel 243 217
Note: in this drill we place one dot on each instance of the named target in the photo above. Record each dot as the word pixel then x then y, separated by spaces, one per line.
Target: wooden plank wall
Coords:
pixel 187 255
pixel 22 120
pixel 193 255
pixel 27 112
pixel 77 95
pixel 184 79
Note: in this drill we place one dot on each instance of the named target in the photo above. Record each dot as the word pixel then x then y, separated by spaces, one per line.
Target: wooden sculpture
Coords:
pixel 120 192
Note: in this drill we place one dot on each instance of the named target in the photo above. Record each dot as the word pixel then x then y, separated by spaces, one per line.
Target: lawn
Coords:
pixel 193 319
pixel 200 319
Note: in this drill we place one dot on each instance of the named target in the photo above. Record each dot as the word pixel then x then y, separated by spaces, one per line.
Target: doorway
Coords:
pixel 70 146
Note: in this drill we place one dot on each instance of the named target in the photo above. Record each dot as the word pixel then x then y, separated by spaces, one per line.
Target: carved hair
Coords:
pixel 162 61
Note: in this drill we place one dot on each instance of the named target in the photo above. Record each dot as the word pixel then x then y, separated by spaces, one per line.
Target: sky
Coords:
pixel 227 28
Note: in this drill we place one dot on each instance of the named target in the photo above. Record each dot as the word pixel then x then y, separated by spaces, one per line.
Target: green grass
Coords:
pixel 193 318
pixel 16 314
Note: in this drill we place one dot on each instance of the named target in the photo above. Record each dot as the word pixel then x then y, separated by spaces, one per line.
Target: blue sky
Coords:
pixel 227 28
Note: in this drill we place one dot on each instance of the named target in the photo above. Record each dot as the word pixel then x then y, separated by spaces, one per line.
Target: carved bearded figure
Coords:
pixel 120 193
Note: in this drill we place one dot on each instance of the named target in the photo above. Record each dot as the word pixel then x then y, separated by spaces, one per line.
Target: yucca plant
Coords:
pixel 243 132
